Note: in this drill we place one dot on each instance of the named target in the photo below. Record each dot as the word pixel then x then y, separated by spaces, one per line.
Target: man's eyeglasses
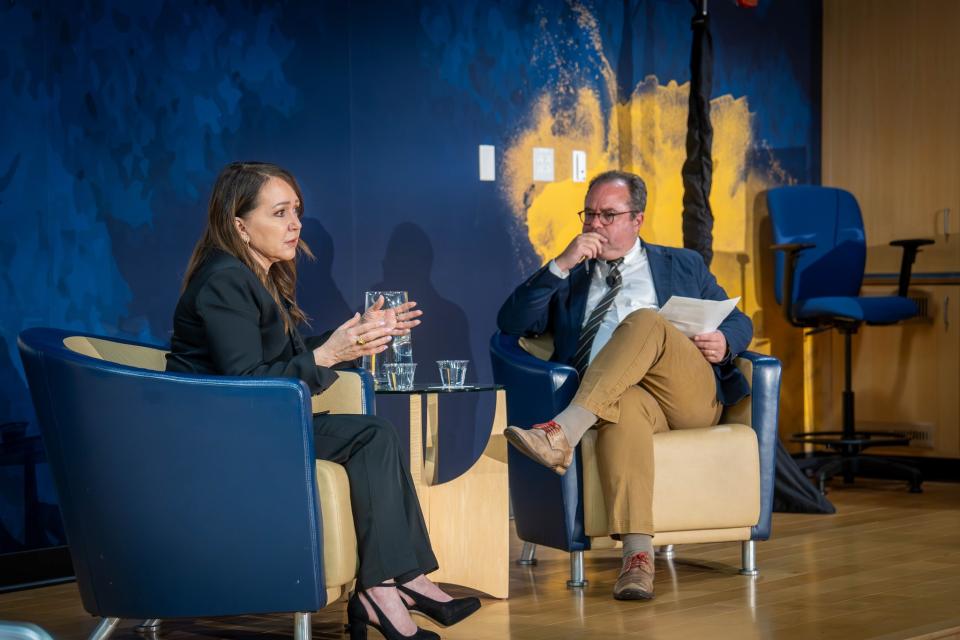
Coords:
pixel 606 217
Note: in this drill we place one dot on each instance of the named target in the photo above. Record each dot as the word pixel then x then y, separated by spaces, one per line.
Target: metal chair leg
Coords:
pixel 104 629
pixel 666 552
pixel 748 558
pixel 302 629
pixel 148 626
pixel 529 554
pixel 577 579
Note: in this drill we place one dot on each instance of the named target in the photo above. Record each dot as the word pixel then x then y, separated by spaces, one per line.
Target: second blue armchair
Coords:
pixel 712 485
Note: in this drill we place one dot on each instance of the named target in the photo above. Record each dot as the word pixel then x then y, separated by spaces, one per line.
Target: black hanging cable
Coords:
pixel 697 171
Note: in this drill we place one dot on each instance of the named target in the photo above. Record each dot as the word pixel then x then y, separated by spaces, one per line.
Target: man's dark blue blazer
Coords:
pixel 548 304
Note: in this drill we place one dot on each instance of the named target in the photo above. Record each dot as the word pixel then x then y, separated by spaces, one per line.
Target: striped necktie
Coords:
pixel 582 356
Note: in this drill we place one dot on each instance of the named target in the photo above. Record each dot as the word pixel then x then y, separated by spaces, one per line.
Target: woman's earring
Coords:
pixel 245 238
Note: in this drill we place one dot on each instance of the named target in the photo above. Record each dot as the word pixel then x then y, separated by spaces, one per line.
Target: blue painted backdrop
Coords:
pixel 117 116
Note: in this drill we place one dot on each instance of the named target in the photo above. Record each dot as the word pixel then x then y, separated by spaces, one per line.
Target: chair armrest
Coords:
pixel 547 508
pixel 765 406
pixel 911 247
pixel 793 251
pixel 353 392
pixel 537 389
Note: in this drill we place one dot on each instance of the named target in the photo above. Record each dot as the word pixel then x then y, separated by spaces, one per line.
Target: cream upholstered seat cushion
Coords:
pixel 343 396
pixel 340 559
pixel 131 355
pixel 704 479
pixel 742 412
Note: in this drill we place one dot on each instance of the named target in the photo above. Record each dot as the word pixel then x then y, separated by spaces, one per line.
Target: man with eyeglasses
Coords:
pixel 639 375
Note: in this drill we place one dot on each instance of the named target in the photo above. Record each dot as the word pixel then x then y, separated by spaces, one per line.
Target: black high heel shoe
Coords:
pixel 358 619
pixel 444 613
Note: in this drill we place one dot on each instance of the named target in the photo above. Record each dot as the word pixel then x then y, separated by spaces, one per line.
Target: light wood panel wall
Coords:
pixel 891 136
pixel 891 112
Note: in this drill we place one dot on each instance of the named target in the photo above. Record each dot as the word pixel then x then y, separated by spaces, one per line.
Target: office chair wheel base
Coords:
pixel 850 464
pixel 852 442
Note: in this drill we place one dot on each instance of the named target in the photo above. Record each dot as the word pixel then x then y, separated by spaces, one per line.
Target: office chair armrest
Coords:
pixel 793 247
pixel 911 247
pixel 793 250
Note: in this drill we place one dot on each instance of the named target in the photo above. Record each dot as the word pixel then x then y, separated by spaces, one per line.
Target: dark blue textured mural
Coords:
pixel 117 116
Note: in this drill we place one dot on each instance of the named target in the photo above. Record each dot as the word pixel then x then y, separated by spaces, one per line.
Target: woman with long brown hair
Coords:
pixel 238 315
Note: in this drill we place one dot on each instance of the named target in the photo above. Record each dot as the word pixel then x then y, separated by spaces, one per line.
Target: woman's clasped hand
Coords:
pixel 404 316
pixel 354 339
pixel 368 334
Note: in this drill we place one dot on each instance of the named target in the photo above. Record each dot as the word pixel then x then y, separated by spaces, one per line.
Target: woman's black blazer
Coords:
pixel 226 323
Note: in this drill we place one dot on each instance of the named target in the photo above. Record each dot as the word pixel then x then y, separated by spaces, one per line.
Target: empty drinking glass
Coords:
pixel 453 373
pixel 399 375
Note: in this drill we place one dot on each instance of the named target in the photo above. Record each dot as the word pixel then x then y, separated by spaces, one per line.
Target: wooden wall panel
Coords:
pixel 891 136
pixel 891 112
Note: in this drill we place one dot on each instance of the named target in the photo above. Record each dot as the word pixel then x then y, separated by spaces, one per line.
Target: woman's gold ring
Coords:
pixel 361 341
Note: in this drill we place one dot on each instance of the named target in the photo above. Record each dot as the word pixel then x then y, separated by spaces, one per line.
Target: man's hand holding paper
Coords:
pixel 713 346
pixel 699 319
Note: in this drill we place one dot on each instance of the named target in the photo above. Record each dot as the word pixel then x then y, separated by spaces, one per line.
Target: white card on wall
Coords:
pixel 543 164
pixel 488 171
pixel 579 165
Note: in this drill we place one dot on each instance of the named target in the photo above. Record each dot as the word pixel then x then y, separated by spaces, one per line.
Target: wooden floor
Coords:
pixel 886 566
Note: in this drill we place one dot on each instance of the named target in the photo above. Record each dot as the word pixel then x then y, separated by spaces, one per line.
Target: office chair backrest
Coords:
pixel 181 495
pixel 829 218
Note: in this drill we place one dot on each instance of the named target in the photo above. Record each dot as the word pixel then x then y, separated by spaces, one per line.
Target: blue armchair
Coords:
pixel 188 495
pixel 820 259
pixel 726 495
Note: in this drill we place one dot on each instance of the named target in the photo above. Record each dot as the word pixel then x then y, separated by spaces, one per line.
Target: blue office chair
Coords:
pixel 565 512
pixel 188 496
pixel 820 258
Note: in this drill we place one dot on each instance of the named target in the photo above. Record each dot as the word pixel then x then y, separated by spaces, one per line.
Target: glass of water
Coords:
pixel 453 373
pixel 399 375
pixel 401 347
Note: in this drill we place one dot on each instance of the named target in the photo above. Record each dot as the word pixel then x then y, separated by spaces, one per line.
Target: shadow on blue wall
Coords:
pixel 444 334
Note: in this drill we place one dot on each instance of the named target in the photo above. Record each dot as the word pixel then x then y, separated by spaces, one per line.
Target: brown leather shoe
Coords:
pixel 544 443
pixel 636 578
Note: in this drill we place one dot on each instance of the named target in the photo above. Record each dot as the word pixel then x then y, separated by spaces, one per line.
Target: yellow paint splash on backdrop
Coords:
pixel 659 120
pixel 646 135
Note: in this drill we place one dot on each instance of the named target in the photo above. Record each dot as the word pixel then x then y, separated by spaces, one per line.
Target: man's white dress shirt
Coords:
pixel 636 292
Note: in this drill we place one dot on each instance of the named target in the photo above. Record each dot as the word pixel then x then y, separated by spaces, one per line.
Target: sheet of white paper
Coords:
pixel 692 315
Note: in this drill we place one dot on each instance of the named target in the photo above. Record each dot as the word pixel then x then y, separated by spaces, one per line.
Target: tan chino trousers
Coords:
pixel 648 378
